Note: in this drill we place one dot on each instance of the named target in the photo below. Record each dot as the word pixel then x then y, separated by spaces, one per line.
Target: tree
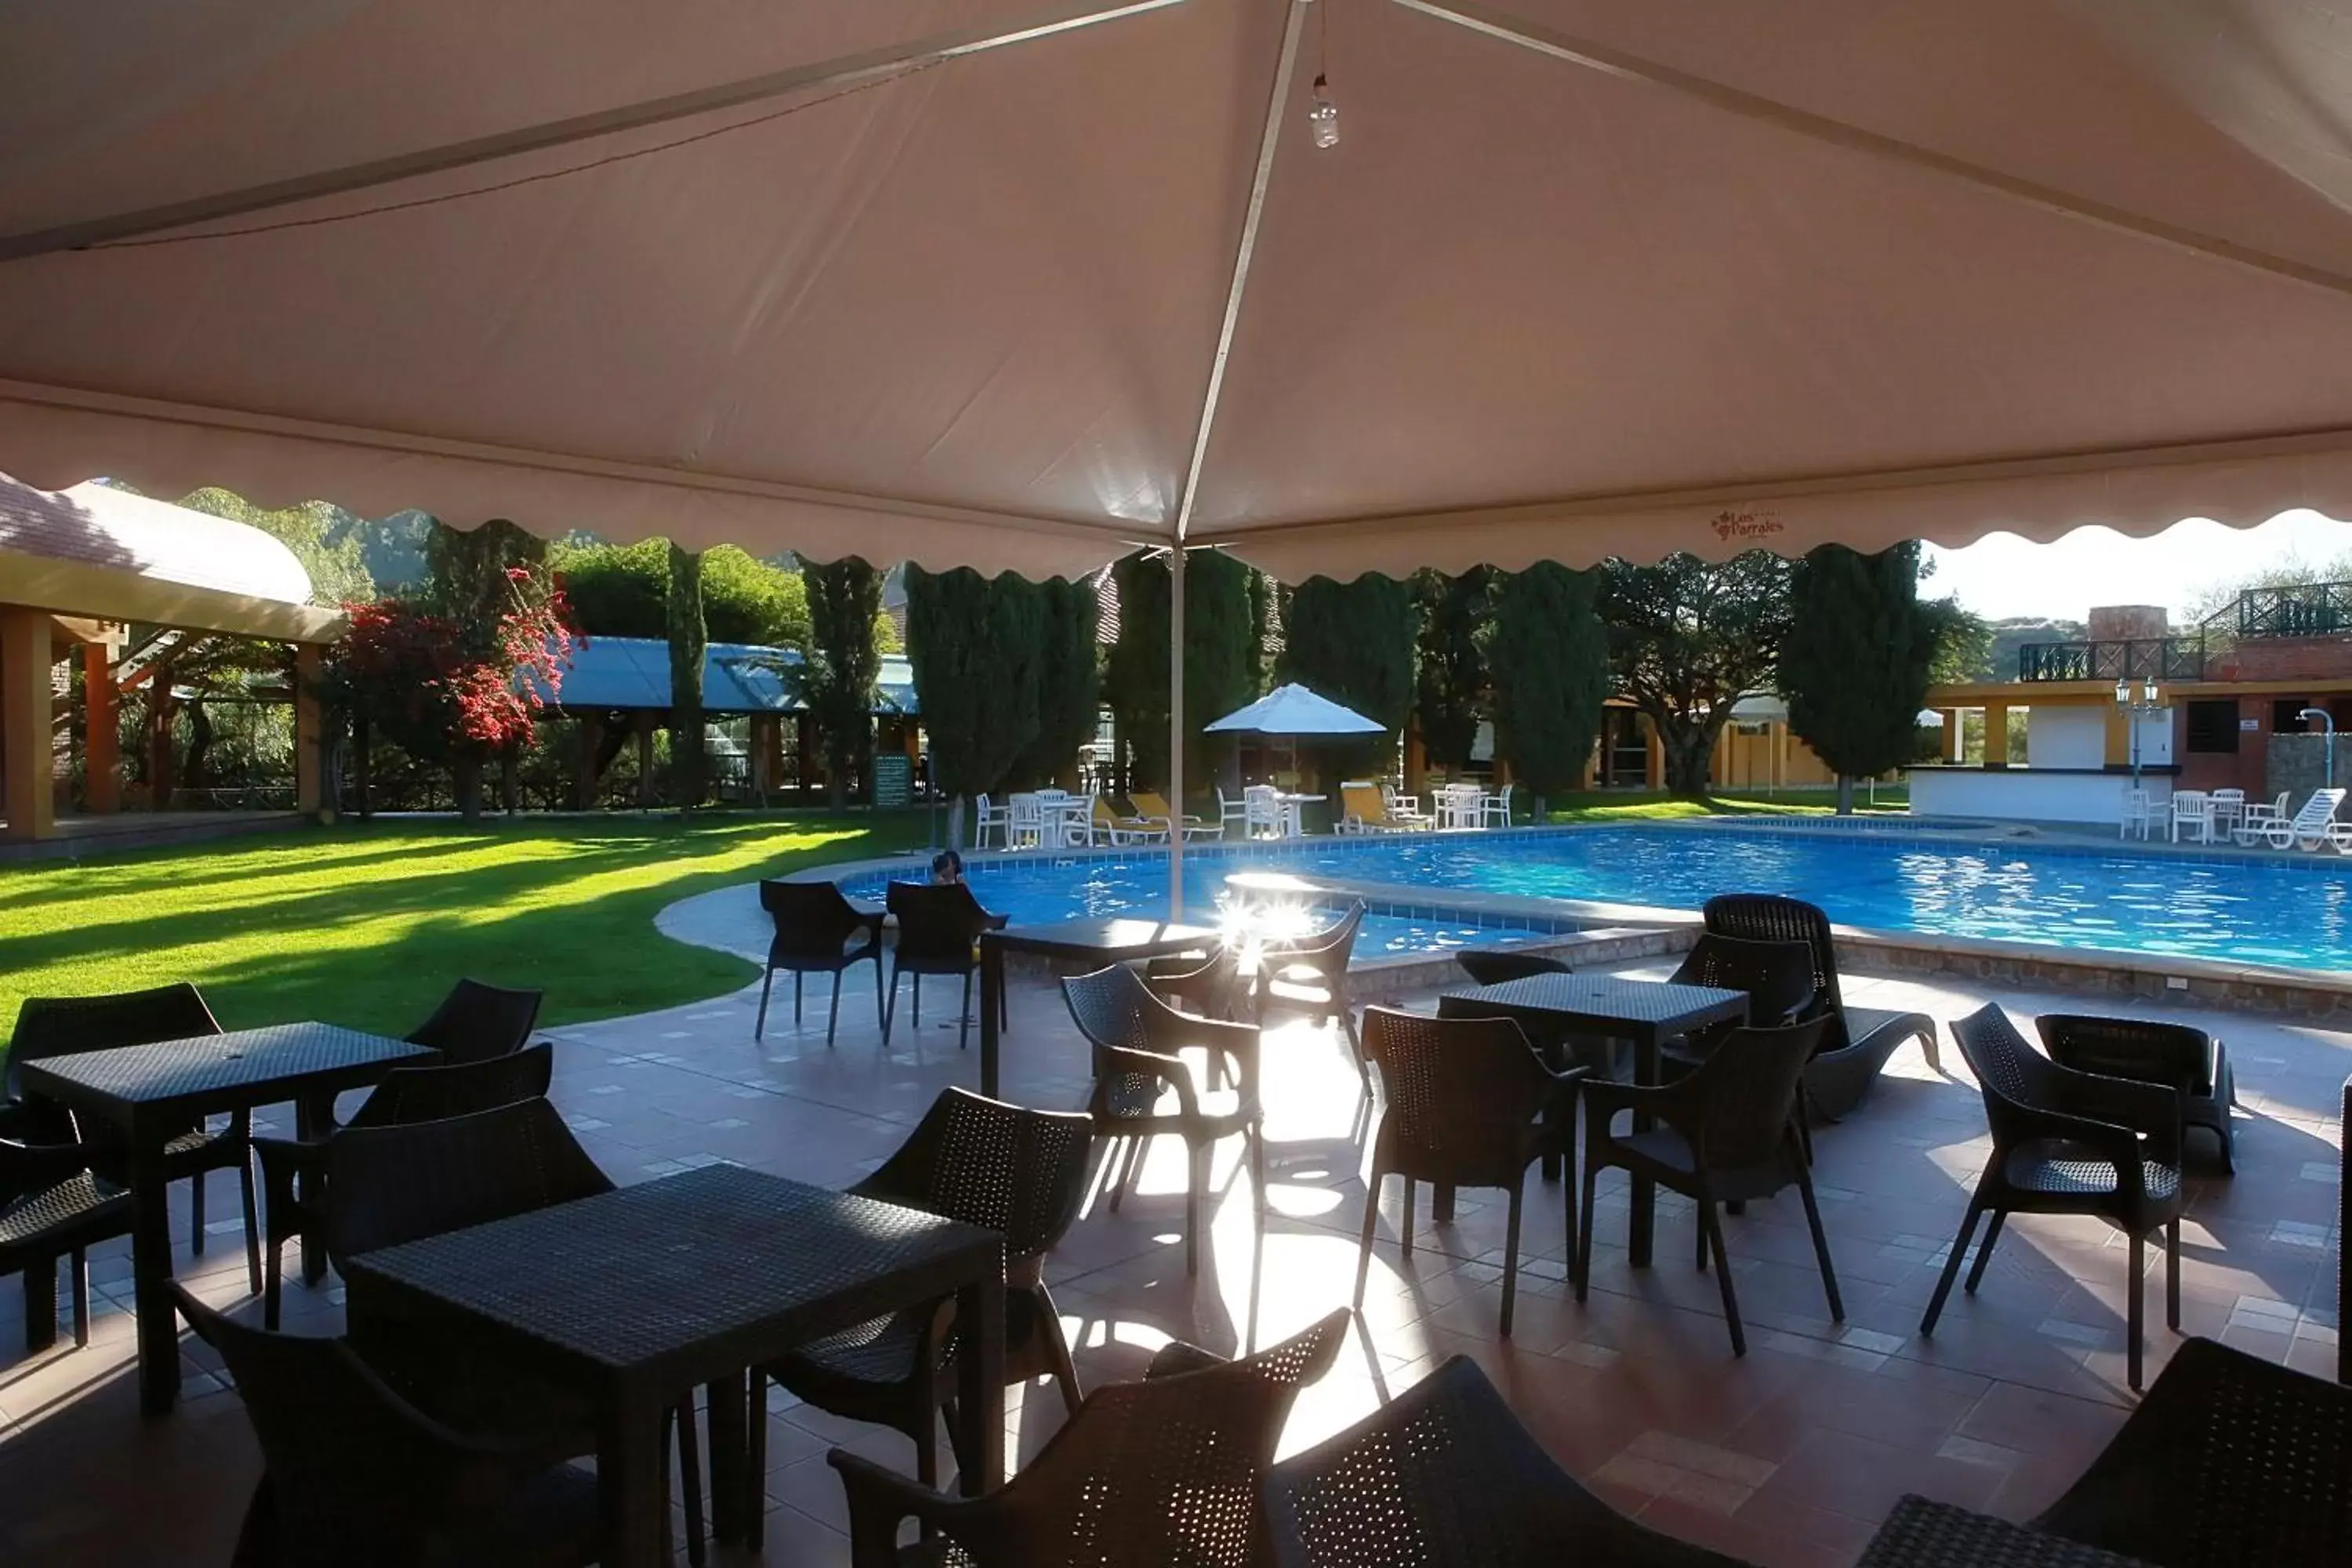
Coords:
pixel 622 590
pixel 317 532
pixel 1219 655
pixel 1687 638
pixel 1549 657
pixel 977 648
pixel 1353 643
pixel 1855 662
pixel 686 647
pixel 1069 680
pixel 480 585
pixel 837 679
pixel 1964 645
pixel 1452 691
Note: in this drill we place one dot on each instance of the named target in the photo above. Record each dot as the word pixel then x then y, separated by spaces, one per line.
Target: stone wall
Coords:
pixel 2298 764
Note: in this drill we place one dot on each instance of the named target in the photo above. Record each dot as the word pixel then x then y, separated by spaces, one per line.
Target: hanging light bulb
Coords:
pixel 1323 120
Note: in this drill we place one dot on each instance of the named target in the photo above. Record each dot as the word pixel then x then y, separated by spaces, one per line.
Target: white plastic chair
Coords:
pixel 1404 810
pixel 1025 822
pixel 2229 810
pixel 2255 825
pixel 1232 814
pixel 2192 809
pixel 1494 810
pixel 2140 811
pixel 986 816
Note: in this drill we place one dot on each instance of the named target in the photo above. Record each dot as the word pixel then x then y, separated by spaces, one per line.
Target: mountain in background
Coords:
pixel 392 547
pixel 2009 634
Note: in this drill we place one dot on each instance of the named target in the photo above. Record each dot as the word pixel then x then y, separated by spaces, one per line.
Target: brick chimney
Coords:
pixel 2120 623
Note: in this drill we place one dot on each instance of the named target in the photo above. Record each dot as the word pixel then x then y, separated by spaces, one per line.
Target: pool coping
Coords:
pixel 1606 933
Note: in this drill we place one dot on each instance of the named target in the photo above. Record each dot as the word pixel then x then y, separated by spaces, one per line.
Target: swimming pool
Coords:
pixel 2295 913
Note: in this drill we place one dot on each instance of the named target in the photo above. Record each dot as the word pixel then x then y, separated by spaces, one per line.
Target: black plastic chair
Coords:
pixel 1168 1471
pixel 1020 1173
pixel 56 1026
pixel 477 1022
pixel 818 932
pixel 1858 1041
pixel 1309 977
pixel 1470 1103
pixel 53 1205
pixel 2070 1143
pixel 1777 976
pixel 294 1171
pixel 356 1477
pixel 1444 1476
pixel 2172 1054
pixel 1727 1131
pixel 1494 966
pixel 410 1179
pixel 940 927
pixel 1138 1040
pixel 2229 1462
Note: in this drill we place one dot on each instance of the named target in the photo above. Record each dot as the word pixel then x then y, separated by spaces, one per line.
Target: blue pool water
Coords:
pixel 2289 911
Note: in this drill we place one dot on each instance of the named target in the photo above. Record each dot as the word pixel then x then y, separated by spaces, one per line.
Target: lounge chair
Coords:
pixel 1404 810
pixel 1154 810
pixel 1133 828
pixel 1856 1046
pixel 2255 823
pixel 2314 824
pixel 1364 808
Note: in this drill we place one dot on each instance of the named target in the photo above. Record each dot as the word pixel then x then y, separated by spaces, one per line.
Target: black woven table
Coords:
pixel 1096 942
pixel 635 1297
pixel 149 1093
pixel 1923 1534
pixel 1646 1012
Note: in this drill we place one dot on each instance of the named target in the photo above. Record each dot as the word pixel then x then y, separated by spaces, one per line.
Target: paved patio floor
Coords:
pixel 1787 1458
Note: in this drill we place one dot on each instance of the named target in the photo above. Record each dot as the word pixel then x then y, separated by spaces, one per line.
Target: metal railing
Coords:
pixel 2305 610
pixel 2119 658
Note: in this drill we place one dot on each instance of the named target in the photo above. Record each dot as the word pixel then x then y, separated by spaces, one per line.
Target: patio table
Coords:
pixel 633 1298
pixel 1095 942
pixel 151 1093
pixel 1923 1534
pixel 1294 819
pixel 1646 1012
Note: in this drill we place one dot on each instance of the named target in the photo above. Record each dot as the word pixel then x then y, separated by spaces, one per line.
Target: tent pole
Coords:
pixel 1176 733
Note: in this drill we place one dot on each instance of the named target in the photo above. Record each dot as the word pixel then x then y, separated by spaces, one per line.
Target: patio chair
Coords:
pixel 2229 1461
pixel 411 1180
pixel 1494 966
pixel 1362 810
pixel 2312 825
pixel 294 1171
pixel 940 927
pixel 1309 977
pixel 1153 809
pixel 2140 811
pixel 1209 986
pixel 2191 809
pixel 818 932
pixel 2175 1054
pixel 356 1477
pixel 2070 1143
pixel 58 1026
pixel 1232 814
pixel 1470 1104
pixel 1025 822
pixel 53 1205
pixel 2254 825
pixel 1019 1172
pixel 1403 811
pixel 1777 976
pixel 1168 1471
pixel 1495 807
pixel 1444 1476
pixel 987 819
pixel 1137 1043
pixel 1859 1040
pixel 1727 1132
pixel 477 1022
pixel 1118 831
pixel 2227 808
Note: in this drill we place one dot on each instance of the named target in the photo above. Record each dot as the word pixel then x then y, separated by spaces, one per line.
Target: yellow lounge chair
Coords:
pixel 1153 809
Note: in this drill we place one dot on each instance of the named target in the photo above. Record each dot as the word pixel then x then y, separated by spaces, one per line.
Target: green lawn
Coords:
pixel 1621 805
pixel 368 924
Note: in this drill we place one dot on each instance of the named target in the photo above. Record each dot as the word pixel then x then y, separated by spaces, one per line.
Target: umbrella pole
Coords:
pixel 1176 733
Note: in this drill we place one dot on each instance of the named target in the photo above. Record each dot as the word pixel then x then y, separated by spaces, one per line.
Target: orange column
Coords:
pixel 28 713
pixel 1951 735
pixel 1996 735
pixel 1653 767
pixel 100 758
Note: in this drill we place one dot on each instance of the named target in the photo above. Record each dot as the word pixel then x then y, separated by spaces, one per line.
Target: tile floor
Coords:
pixel 1787 1458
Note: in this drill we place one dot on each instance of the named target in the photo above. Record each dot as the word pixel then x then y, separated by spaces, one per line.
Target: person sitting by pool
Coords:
pixel 947 869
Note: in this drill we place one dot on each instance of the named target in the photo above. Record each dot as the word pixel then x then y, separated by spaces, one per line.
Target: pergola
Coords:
pixel 1025 286
pixel 78 568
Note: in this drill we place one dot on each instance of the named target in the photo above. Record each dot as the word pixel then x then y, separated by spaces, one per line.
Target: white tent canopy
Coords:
pixel 1021 283
pixel 1294 710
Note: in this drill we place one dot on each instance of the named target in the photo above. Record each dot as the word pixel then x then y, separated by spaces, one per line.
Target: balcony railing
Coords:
pixel 2120 659
pixel 2306 610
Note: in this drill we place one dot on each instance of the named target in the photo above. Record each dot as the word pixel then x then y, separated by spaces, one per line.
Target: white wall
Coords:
pixel 2023 795
pixel 2066 737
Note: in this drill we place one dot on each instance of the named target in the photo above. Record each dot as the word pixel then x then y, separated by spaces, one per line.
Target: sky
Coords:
pixel 2002 575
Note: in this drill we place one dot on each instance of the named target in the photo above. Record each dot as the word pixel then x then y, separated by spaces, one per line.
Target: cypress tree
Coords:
pixel 1549 657
pixel 1221 625
pixel 686 645
pixel 1353 643
pixel 1070 680
pixel 1453 694
pixel 837 681
pixel 978 651
pixel 1854 666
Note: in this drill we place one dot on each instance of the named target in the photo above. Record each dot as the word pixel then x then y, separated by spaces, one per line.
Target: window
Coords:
pixel 2213 726
pixel 2286 715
